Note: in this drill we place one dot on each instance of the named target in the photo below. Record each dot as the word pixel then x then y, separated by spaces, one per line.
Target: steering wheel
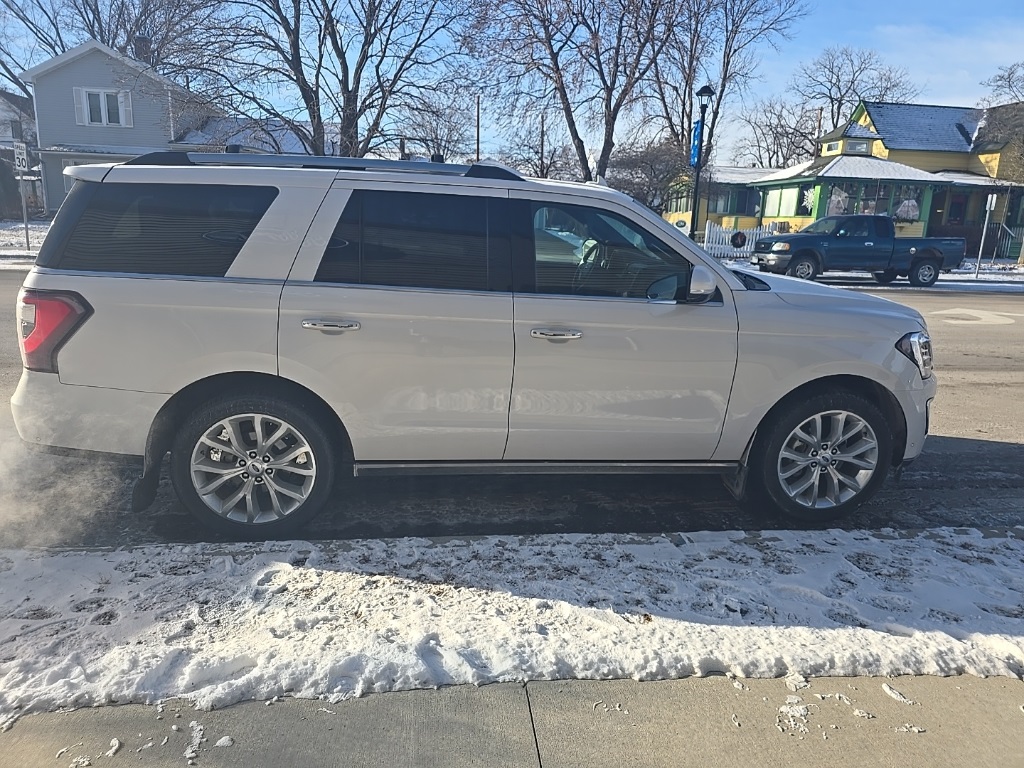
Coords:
pixel 590 261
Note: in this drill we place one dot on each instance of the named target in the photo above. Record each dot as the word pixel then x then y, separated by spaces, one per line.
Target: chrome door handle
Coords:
pixel 553 334
pixel 331 325
pixel 868 243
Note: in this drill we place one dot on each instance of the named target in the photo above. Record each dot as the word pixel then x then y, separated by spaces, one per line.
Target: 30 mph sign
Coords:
pixel 20 156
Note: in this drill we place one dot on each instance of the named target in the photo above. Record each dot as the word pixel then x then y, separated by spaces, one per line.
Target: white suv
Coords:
pixel 278 323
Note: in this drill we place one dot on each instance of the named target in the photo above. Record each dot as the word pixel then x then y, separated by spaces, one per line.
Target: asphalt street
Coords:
pixel 971 474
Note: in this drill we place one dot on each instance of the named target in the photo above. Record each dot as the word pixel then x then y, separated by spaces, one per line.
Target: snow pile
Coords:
pixel 221 623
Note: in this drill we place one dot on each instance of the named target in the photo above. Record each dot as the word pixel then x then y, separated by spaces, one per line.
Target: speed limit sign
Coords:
pixel 20 156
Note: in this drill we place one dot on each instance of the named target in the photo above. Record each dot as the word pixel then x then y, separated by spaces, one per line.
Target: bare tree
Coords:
pixel 441 123
pixel 1008 83
pixel 351 64
pixel 170 35
pixel 778 133
pixel 589 57
pixel 1002 123
pixel 538 145
pixel 715 41
pixel 651 173
pixel 839 77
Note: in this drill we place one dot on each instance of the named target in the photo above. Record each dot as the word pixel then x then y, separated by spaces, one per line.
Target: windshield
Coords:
pixel 822 226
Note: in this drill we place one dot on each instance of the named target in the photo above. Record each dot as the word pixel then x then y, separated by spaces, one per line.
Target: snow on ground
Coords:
pixel 218 624
pixel 12 236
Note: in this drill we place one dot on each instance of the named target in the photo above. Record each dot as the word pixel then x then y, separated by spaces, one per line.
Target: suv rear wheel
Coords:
pixel 252 466
pixel 822 457
pixel 924 273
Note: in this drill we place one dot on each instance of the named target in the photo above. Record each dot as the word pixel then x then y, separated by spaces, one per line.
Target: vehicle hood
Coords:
pixel 788 238
pixel 815 296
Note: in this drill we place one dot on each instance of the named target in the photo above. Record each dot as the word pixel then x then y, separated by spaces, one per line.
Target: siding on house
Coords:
pixel 987 164
pixel 931 161
pixel 55 105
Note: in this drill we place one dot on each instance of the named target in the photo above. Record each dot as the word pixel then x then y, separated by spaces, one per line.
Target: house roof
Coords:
pixel 270 134
pixel 731 174
pixel 22 104
pixel 851 130
pixel 853 167
pixel 89 46
pixel 965 179
pixel 925 127
pixel 96 149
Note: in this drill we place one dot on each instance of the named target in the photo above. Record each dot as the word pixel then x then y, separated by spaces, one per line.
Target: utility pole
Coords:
pixel 478 127
pixel 543 157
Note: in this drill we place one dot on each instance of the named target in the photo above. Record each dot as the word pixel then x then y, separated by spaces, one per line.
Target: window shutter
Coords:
pixel 125 100
pixel 80 117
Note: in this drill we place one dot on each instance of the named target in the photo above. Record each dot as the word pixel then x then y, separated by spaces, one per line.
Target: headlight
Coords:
pixel 780 247
pixel 918 347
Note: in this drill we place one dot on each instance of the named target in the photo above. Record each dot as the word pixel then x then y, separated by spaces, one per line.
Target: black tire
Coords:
pixel 765 490
pixel 885 276
pixel 924 273
pixel 804 267
pixel 261 521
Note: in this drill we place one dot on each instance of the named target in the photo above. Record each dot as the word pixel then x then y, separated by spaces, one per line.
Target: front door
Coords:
pixel 601 372
pixel 857 245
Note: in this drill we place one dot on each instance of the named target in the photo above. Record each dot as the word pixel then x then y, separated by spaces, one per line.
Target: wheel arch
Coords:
pixel 928 254
pixel 810 252
pixel 870 390
pixel 161 431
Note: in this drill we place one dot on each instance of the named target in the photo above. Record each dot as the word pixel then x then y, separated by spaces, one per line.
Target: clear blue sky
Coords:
pixel 948 47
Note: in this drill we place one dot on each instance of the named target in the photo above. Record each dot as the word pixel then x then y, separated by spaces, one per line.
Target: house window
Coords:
pixel 100 106
pixel 832 146
pixel 771 206
pixel 856 147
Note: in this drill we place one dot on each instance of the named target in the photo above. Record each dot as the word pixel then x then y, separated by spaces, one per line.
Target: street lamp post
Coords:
pixel 704 96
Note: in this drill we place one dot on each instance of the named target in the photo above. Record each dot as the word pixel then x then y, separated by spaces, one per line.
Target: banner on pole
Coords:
pixel 695 143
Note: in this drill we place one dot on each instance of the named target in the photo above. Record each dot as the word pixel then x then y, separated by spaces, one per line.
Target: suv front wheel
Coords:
pixel 823 457
pixel 252 467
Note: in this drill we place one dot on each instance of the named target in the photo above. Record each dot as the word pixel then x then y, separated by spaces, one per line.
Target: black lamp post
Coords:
pixel 704 96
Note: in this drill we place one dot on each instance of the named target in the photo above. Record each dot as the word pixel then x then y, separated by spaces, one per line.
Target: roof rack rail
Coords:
pixel 483 170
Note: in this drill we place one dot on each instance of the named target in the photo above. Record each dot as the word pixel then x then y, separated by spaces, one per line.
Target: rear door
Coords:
pixel 398 313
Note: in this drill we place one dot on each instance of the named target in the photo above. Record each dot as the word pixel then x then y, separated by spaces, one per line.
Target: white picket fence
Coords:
pixel 718 241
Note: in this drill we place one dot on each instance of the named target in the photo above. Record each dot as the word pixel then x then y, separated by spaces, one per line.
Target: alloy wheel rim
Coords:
pixel 926 273
pixel 804 270
pixel 253 468
pixel 828 459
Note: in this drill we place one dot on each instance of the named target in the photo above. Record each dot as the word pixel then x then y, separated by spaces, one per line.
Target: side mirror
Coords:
pixel 702 285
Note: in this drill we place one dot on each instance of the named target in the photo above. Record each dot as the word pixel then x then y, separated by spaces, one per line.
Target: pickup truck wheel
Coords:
pixel 822 457
pixel 924 273
pixel 804 267
pixel 252 467
pixel 885 277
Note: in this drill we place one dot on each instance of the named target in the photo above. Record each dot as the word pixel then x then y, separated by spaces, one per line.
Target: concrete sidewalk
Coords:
pixel 966 721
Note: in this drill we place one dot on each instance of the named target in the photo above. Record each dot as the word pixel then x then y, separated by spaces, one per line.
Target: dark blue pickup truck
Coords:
pixel 859 244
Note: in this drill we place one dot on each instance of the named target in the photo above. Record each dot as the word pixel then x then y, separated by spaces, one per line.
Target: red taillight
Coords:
pixel 46 320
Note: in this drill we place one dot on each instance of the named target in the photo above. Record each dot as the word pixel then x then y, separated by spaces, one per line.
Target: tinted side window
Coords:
pixel 410 239
pixel 589 252
pixel 169 229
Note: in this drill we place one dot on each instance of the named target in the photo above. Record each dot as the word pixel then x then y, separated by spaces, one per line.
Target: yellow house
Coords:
pixel 934 169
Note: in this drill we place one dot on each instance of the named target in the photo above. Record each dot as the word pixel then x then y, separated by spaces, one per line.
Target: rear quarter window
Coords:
pixel 169 229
